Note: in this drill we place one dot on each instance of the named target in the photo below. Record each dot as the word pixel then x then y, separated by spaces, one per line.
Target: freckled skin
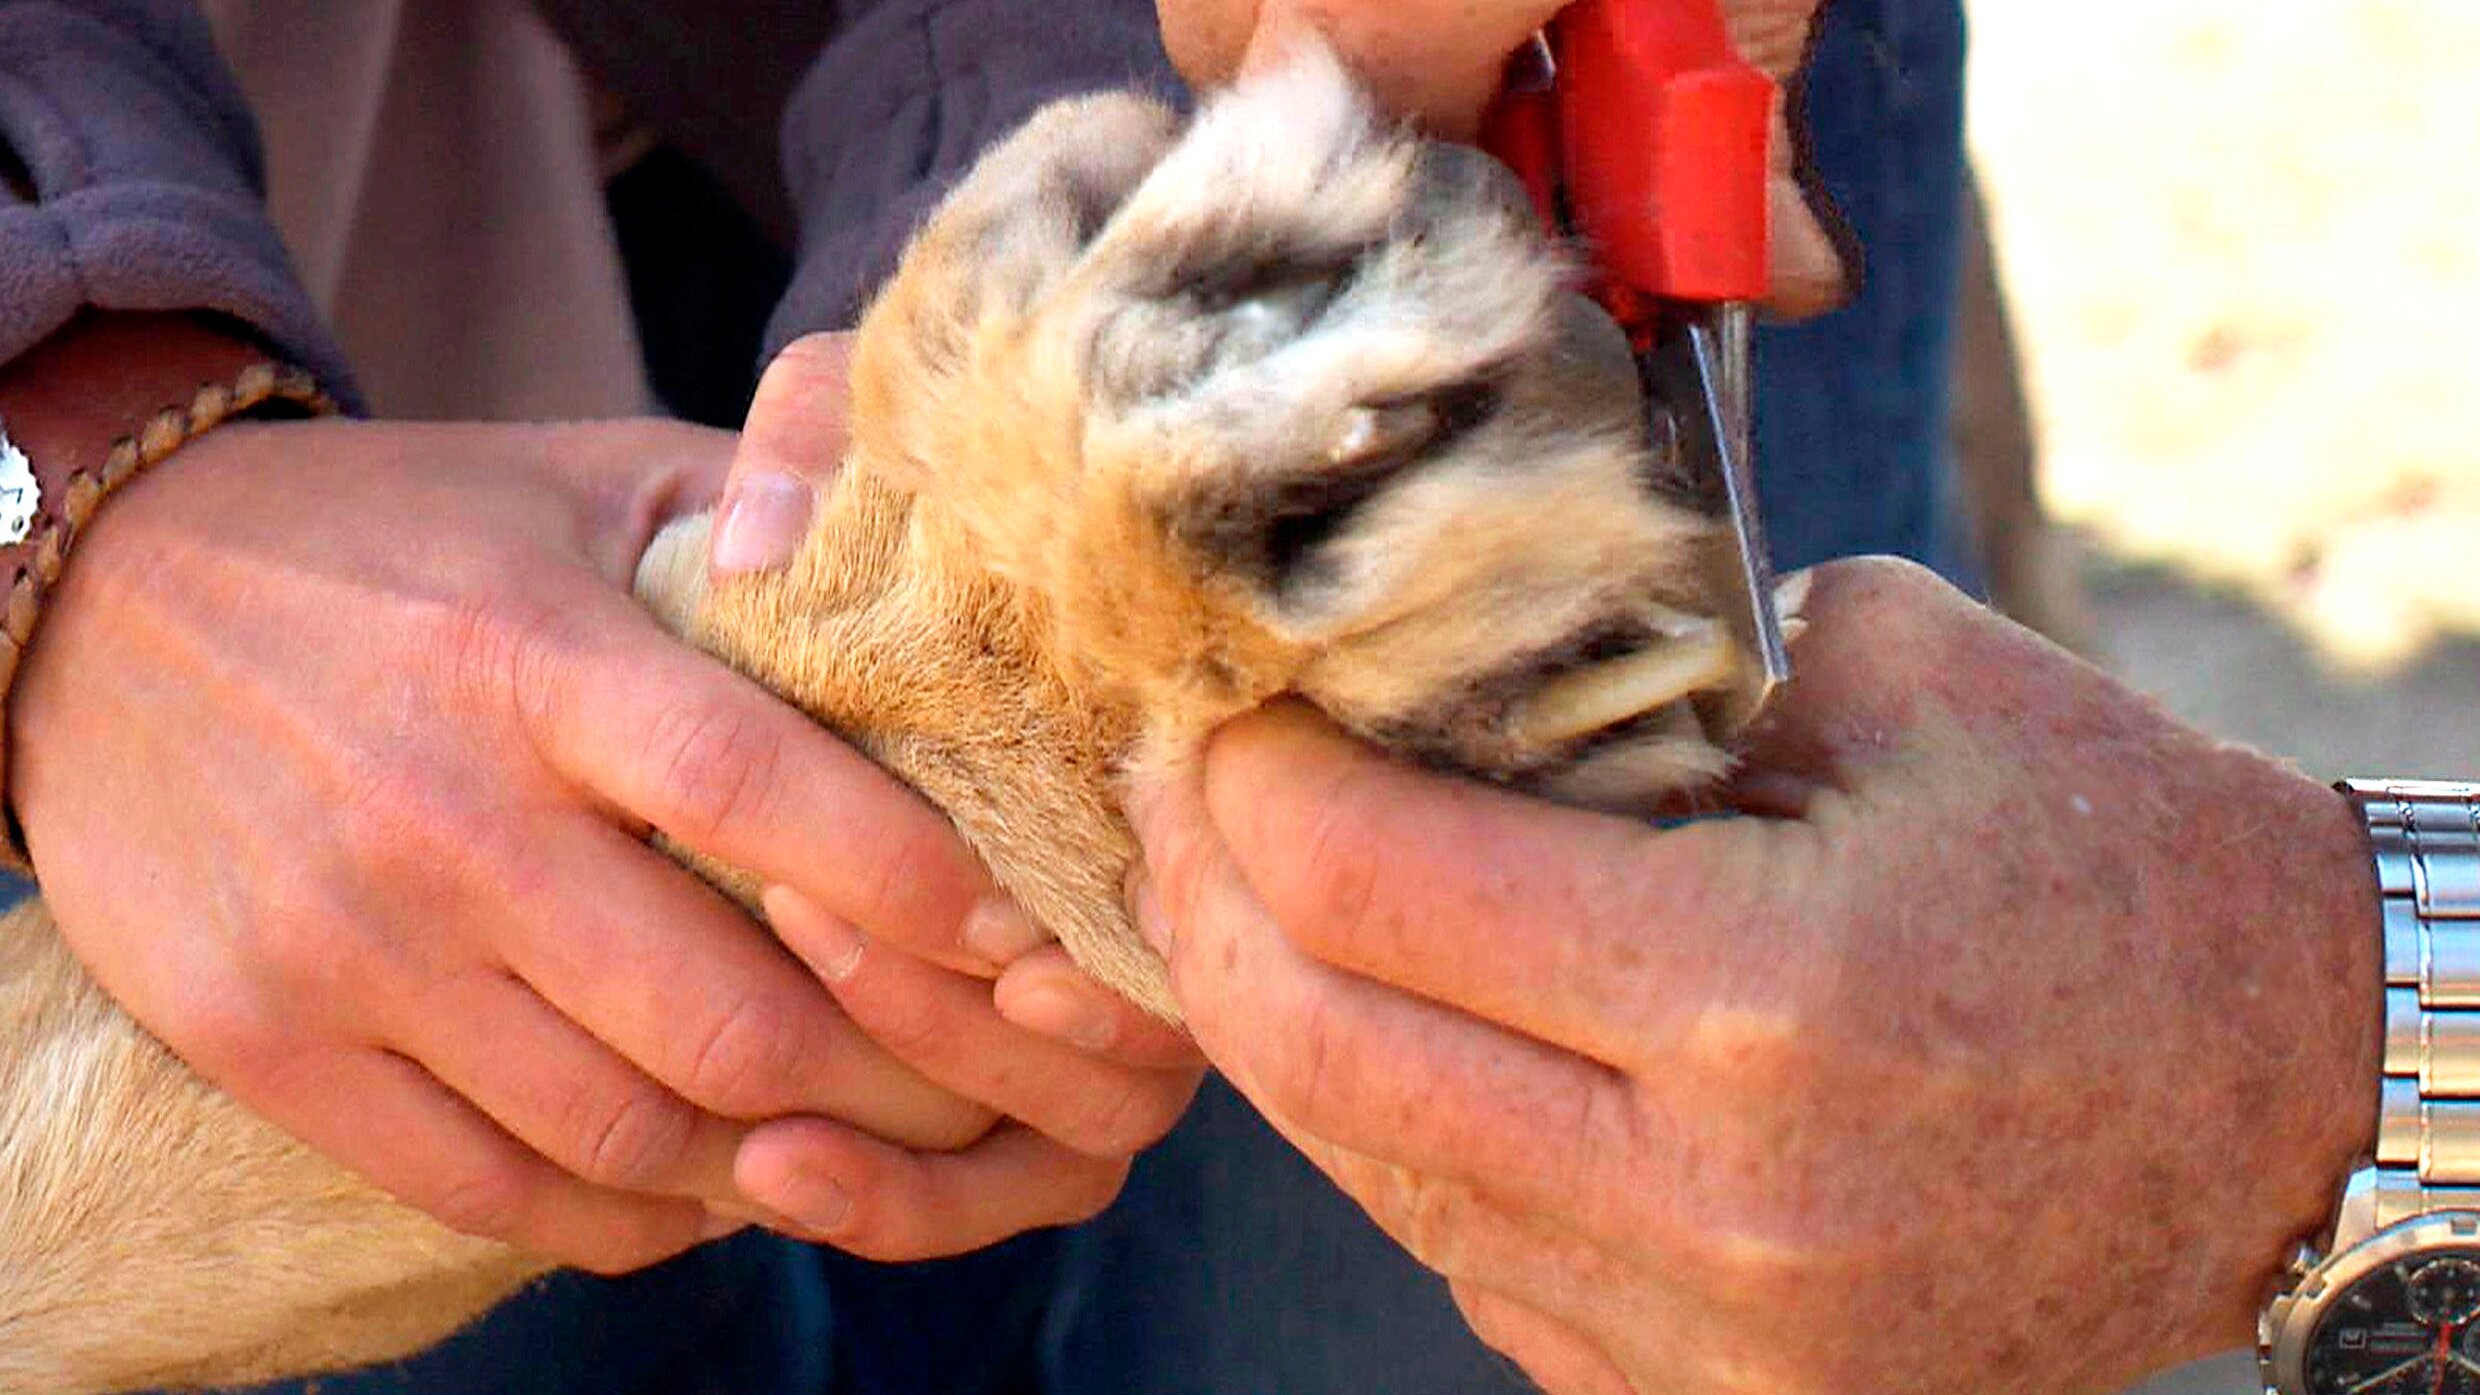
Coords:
pixel 1945 1083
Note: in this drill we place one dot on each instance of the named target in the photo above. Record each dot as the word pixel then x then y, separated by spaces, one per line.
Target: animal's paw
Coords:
pixel 1293 401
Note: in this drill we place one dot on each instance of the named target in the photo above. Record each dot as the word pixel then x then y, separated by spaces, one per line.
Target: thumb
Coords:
pixel 1880 642
pixel 793 442
pixel 1809 274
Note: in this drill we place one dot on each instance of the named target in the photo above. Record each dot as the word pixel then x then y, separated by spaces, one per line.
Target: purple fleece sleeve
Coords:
pixel 903 100
pixel 145 168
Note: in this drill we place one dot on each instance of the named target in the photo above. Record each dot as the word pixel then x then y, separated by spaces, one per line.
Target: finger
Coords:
pixel 669 737
pixel 1578 928
pixel 414 1138
pixel 794 441
pixel 1379 1072
pixel 1808 268
pixel 694 993
pixel 1436 62
pixel 1046 993
pixel 1877 645
pixel 946 1026
pixel 1555 1355
pixel 567 1096
pixel 884 1203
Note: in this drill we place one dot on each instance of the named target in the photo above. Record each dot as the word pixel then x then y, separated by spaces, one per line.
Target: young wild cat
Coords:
pixel 1156 421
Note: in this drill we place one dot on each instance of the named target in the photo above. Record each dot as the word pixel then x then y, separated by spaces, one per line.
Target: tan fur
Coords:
pixel 1097 415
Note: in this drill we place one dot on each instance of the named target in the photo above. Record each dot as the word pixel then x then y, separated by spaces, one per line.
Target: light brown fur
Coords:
pixel 1092 509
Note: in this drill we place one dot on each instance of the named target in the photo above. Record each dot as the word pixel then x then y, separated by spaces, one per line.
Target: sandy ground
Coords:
pixel 2242 239
pixel 2239 235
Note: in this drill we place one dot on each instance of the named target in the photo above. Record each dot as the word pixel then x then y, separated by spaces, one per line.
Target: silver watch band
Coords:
pixel 2427 840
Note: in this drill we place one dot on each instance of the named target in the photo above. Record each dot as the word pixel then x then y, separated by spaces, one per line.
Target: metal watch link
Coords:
pixel 2390 1303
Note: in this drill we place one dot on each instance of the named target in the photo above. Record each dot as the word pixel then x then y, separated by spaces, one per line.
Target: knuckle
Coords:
pixel 626 1248
pixel 714 766
pixel 496 654
pixel 885 1242
pixel 743 1059
pixel 1882 584
pixel 1432 1219
pixel 377 812
pixel 909 884
pixel 1339 868
pixel 412 839
pixel 813 354
pixel 492 1199
pixel 1755 1256
pixel 1765 1049
pixel 229 1038
pixel 1308 1065
pixel 1118 1119
pixel 966 1124
pixel 312 947
pixel 1092 1193
pixel 906 1025
pixel 632 1143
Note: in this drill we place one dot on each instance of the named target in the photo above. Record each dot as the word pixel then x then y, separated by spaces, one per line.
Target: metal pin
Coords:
pixel 1720 345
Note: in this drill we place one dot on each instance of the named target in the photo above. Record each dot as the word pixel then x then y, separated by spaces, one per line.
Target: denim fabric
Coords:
pixel 1852 449
pixel 1230 1267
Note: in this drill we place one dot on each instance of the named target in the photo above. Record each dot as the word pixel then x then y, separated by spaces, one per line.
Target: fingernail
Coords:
pixel 761 523
pixel 999 931
pixel 826 942
pixel 1145 908
pixel 815 1201
pixel 1059 1011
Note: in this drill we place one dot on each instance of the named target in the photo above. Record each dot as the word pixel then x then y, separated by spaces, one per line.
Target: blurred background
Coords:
pixel 2234 241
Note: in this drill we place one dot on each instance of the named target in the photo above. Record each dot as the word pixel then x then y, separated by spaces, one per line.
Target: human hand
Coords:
pixel 792 445
pixel 2009 1049
pixel 1440 62
pixel 1089 1083
pixel 337 749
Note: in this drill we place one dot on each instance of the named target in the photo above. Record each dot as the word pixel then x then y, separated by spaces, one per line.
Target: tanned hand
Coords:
pixel 2005 1043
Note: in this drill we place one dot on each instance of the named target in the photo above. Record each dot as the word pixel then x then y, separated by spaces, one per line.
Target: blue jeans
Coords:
pixel 1230 1267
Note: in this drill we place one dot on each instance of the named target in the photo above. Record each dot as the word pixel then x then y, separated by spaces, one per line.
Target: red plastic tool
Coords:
pixel 1647 138
pixel 1640 131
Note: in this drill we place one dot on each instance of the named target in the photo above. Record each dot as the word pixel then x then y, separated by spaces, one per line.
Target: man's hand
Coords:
pixel 336 751
pixel 2005 1048
pixel 1439 62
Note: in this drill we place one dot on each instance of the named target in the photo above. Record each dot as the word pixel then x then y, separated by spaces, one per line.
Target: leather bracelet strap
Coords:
pixel 87 411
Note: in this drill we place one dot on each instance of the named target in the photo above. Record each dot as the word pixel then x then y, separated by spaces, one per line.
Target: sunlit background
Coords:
pixel 2240 242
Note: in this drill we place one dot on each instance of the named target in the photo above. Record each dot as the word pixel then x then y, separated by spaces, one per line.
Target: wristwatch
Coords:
pixel 2389 1302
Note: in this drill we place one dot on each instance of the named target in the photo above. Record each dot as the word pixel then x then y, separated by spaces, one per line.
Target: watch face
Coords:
pixel 2405 1328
